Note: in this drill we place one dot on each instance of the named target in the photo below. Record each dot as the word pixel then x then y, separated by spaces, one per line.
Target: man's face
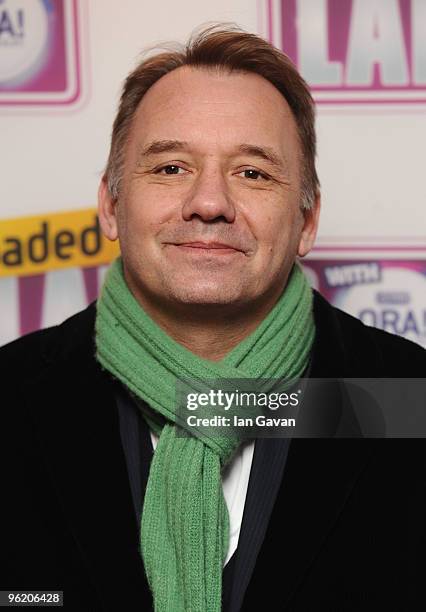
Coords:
pixel 209 208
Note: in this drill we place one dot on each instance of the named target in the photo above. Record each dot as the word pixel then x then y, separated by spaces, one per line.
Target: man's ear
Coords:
pixel 107 211
pixel 310 227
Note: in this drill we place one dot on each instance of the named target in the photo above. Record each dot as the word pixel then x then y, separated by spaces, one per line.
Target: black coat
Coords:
pixel 347 532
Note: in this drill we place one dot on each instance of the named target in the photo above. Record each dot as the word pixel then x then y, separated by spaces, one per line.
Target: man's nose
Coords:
pixel 209 198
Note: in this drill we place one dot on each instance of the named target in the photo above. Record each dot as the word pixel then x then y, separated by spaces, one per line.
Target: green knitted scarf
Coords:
pixel 185 521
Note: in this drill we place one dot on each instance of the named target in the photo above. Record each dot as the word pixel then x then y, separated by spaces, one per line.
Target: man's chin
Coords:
pixel 202 289
pixel 208 298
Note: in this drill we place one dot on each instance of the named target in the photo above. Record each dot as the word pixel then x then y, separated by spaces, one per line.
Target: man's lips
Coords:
pixel 208 245
pixel 220 247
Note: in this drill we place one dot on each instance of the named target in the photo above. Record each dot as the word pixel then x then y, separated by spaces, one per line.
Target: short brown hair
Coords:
pixel 224 48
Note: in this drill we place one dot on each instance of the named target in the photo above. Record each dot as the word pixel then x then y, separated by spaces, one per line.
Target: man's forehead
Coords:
pixel 212 90
pixel 227 111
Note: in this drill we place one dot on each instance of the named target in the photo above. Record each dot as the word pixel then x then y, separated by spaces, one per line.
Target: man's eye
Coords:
pixel 253 174
pixel 170 169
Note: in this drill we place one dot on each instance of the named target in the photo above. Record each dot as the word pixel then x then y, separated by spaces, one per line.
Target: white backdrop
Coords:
pixel 370 158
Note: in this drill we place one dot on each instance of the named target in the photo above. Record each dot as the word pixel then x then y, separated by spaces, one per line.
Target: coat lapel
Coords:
pixel 318 478
pixel 77 425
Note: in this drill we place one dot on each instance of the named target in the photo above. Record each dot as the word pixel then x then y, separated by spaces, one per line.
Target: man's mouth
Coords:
pixel 208 245
pixel 215 248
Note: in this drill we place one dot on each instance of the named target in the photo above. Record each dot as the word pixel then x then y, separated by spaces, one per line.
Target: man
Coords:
pixel 212 192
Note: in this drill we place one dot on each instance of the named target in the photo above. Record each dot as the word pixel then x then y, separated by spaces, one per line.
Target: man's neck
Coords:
pixel 210 331
pixel 212 341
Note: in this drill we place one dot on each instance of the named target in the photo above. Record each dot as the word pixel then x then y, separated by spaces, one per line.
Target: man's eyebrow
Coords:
pixel 169 146
pixel 265 153
pixel 162 146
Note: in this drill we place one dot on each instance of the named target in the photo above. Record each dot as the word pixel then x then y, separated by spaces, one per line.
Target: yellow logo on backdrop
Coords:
pixel 31 245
